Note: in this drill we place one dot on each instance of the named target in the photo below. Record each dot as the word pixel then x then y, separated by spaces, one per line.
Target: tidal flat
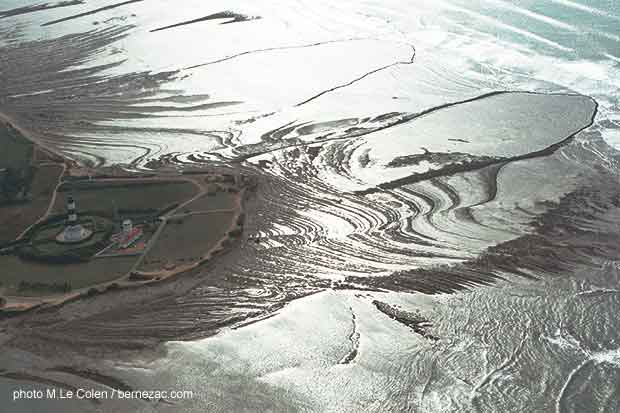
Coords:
pixel 380 209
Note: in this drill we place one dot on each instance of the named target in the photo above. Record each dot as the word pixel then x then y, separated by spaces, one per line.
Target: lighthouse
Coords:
pixel 73 232
pixel 71 212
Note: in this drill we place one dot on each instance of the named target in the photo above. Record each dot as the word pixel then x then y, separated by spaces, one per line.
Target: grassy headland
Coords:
pixel 186 218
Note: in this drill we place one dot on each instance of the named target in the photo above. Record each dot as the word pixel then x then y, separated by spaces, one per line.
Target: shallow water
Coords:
pixel 383 155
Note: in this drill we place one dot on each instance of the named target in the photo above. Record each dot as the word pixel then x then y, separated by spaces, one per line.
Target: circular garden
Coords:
pixel 42 246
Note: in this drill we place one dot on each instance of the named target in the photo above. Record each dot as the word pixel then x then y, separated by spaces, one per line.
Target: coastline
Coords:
pixel 29 135
pixel 19 304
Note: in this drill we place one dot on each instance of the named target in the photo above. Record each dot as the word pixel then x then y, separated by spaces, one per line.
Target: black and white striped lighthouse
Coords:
pixel 73 232
pixel 71 212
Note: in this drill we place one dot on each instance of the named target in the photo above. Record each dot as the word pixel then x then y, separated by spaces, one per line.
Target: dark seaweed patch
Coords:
pixel 229 15
pixel 88 13
pixel 440 158
pixel 38 7
pixel 414 321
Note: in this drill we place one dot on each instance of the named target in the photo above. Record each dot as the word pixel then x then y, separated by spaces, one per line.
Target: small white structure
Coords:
pixel 128 236
pixel 73 232
pixel 127 226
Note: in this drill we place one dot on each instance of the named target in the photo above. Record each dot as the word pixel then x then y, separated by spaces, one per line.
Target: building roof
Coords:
pixel 130 237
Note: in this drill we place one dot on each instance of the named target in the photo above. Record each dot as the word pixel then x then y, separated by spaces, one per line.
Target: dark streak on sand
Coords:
pixel 416 322
pixel 439 157
pixel 38 7
pixel 365 75
pixel 270 49
pixel 95 11
pixel 354 338
pixel 452 169
pixel 232 16
pixel 78 98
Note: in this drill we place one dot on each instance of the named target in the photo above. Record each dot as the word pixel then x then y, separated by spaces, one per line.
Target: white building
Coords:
pixel 128 236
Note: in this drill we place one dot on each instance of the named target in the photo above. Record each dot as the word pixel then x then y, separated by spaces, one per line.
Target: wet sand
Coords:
pixel 357 190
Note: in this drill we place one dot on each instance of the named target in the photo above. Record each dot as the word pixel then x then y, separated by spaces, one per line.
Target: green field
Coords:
pixel 16 150
pixel 187 240
pixel 25 190
pixel 15 218
pixel 219 200
pixel 97 198
pixel 16 173
pixel 14 270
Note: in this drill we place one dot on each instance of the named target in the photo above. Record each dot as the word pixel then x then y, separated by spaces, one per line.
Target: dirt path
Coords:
pixel 47 212
pixel 202 191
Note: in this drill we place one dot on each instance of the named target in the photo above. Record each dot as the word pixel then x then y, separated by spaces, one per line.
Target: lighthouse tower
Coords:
pixel 73 232
pixel 71 212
